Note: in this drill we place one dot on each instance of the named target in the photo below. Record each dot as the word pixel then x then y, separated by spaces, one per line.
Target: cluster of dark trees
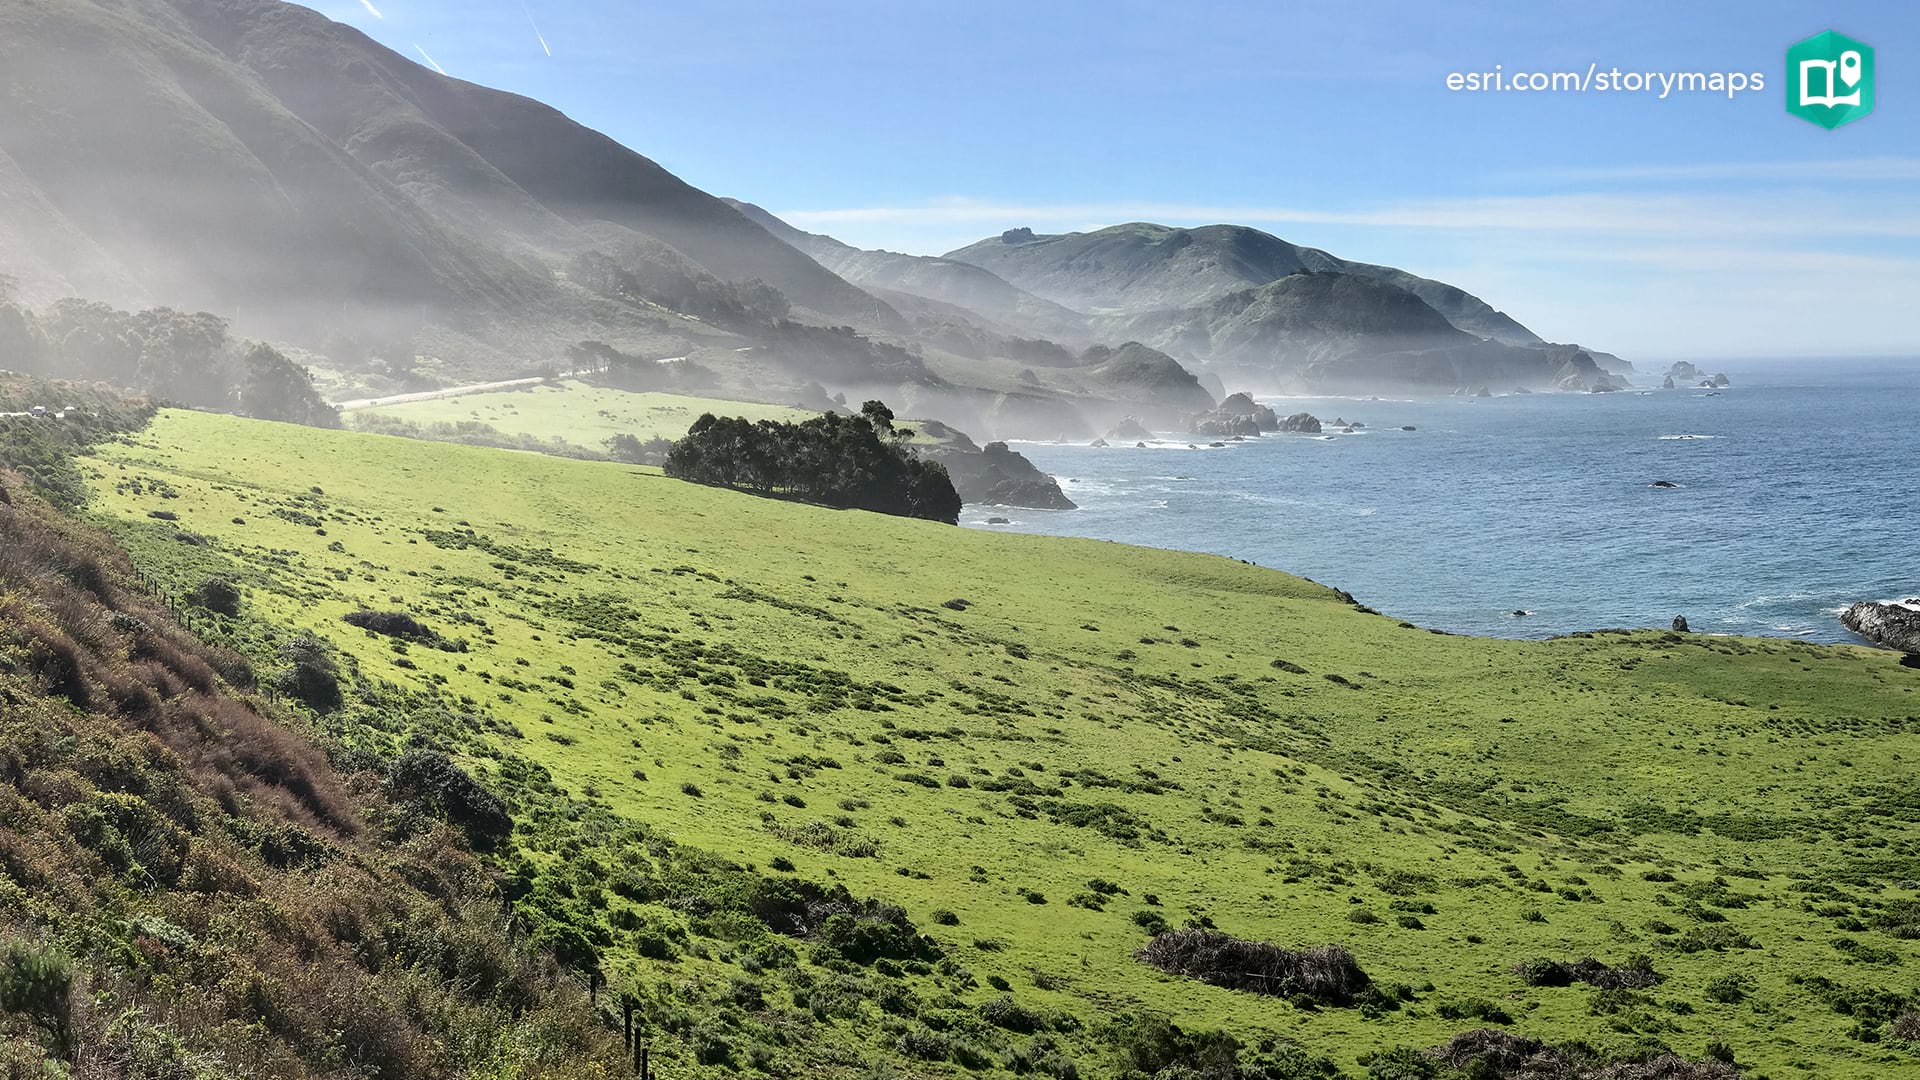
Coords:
pixel 859 462
pixel 191 359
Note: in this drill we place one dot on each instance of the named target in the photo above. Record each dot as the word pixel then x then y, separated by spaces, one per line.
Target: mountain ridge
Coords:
pixel 1142 266
pixel 931 277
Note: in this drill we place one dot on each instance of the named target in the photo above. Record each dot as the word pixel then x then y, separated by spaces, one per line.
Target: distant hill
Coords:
pixel 946 281
pixel 1342 332
pixel 1139 267
pixel 256 157
pixel 1301 318
pixel 1153 383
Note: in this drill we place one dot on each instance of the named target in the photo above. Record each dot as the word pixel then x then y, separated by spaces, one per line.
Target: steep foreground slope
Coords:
pixel 1044 751
pixel 188 889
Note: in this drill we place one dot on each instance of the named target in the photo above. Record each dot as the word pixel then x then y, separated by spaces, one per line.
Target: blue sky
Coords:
pixel 1690 226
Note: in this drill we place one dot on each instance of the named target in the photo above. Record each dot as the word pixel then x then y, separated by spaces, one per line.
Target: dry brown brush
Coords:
pixel 187 887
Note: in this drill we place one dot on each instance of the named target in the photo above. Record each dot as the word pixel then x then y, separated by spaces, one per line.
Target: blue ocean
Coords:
pixel 1795 496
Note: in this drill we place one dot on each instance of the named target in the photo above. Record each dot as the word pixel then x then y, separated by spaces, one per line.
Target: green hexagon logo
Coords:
pixel 1830 79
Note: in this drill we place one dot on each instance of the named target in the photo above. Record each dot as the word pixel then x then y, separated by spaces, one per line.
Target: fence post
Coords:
pixel 626 1023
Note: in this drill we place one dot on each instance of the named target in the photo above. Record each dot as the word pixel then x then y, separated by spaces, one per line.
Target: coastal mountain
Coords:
pixel 1340 332
pixel 1306 317
pixel 1310 321
pixel 256 157
pixel 1139 267
pixel 978 292
pixel 1154 385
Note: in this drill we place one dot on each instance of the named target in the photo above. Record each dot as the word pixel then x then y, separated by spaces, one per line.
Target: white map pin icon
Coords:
pixel 1850 67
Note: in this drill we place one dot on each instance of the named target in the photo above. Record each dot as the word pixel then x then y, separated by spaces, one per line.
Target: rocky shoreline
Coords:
pixel 1891 625
pixel 993 475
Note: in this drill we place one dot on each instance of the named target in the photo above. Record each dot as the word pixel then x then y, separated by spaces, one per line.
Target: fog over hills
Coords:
pixel 258 161
pixel 980 292
pixel 1141 267
pixel 254 155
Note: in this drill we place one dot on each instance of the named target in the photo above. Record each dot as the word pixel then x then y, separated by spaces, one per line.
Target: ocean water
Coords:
pixel 1799 493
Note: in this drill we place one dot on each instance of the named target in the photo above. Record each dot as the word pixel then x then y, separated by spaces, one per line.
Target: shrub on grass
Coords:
pixel 311 678
pixel 404 627
pixel 218 595
pixel 1473 1009
pixel 1727 989
pixel 1003 1012
pixel 1328 974
pixel 430 779
pixel 1401 1063
pixel 1498 1055
pixel 1151 921
pixel 1636 974
pixel 918 1042
pixel 37 982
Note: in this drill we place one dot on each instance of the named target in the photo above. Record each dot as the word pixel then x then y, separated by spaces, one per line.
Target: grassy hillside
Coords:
pixel 583 415
pixel 1043 748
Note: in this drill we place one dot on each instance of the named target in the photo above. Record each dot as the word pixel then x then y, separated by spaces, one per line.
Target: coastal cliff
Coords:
pixel 1894 625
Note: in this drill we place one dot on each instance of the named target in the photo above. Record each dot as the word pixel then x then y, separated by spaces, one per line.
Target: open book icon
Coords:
pixel 1846 71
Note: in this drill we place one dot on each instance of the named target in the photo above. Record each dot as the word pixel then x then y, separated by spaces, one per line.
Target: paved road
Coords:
pixel 447 392
pixel 476 388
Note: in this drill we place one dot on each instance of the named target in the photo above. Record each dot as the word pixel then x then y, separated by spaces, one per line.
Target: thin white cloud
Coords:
pixel 431 62
pixel 536 29
pixel 371 10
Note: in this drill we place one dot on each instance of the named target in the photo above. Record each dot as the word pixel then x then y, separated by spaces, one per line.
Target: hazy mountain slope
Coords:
pixel 200 187
pixel 1469 367
pixel 43 254
pixel 1154 384
pixel 1460 307
pixel 946 280
pixel 1297 319
pixel 252 155
pixel 1337 331
pixel 1139 267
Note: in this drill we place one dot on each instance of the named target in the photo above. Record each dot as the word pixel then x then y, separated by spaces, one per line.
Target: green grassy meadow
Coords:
pixel 582 415
pixel 984 724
